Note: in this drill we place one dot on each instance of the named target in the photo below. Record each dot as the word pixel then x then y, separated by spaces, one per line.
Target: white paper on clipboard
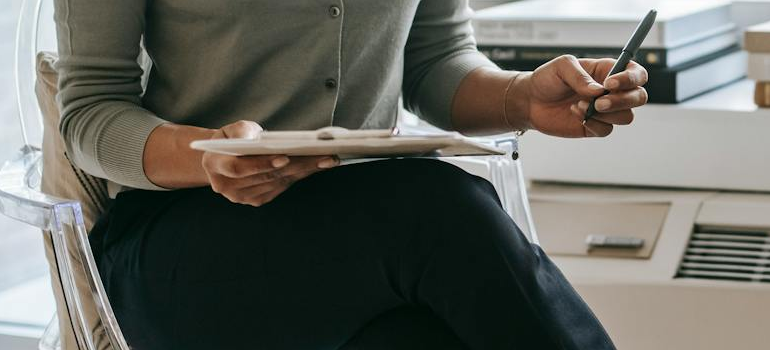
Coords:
pixel 350 144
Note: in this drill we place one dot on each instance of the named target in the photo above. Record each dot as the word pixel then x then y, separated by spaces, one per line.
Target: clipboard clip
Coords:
pixel 339 133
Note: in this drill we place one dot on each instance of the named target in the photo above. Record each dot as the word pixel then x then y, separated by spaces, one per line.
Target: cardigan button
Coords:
pixel 334 11
pixel 330 83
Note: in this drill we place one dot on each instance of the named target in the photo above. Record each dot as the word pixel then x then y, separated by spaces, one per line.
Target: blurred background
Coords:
pixel 26 303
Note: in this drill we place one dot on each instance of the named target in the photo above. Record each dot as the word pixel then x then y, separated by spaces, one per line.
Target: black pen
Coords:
pixel 628 53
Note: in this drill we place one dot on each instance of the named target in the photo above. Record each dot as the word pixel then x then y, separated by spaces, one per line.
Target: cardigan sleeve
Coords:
pixel 439 53
pixel 103 124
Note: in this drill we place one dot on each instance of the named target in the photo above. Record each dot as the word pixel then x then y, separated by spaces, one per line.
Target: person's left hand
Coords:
pixel 560 91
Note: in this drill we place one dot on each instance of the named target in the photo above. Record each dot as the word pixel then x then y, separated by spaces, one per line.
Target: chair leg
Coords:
pixel 51 339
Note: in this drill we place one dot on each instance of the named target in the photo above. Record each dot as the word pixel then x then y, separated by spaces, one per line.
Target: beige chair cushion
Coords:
pixel 61 179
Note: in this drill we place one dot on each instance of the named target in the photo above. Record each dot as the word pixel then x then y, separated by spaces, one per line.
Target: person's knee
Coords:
pixel 466 213
pixel 440 184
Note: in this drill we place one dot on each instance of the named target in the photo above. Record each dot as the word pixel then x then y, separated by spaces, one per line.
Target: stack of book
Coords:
pixel 757 43
pixel 693 47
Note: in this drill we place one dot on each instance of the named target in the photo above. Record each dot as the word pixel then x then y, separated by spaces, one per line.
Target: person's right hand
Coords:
pixel 256 180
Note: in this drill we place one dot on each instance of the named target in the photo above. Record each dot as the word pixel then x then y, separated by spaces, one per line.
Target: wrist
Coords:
pixel 169 161
pixel 183 137
pixel 517 102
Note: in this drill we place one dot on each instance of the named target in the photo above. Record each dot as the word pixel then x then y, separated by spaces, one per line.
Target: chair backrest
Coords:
pixel 86 320
pixel 36 32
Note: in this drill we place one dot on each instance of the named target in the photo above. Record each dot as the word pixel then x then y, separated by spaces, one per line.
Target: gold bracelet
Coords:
pixel 507 122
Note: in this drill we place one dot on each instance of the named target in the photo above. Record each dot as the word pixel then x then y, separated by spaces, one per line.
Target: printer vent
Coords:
pixel 727 254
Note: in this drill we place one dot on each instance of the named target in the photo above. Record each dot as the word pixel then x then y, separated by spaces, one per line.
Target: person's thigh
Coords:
pixel 405 328
pixel 306 271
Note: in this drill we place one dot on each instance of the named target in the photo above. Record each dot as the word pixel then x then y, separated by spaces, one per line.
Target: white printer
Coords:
pixel 664 227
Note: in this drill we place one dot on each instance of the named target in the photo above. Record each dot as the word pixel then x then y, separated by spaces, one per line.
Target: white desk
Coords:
pixel 719 140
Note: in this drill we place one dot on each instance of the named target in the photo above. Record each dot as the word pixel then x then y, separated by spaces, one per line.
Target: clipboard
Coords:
pixel 350 144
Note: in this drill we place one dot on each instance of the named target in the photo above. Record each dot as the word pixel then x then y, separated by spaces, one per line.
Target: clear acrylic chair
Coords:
pixel 61 219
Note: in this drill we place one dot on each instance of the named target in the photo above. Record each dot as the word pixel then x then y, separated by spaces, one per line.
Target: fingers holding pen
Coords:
pixel 621 100
pixel 633 77
pixel 618 116
pixel 571 72
pixel 625 92
pixel 597 128
pixel 601 124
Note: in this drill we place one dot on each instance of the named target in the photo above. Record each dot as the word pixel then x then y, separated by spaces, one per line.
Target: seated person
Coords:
pixel 207 251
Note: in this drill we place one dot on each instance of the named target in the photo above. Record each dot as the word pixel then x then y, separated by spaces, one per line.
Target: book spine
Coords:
pixel 695 77
pixel 759 66
pixel 757 42
pixel 645 57
pixel 762 94
pixel 560 33
pixel 661 86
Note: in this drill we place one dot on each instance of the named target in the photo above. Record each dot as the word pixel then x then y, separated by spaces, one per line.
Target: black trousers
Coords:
pixel 397 254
